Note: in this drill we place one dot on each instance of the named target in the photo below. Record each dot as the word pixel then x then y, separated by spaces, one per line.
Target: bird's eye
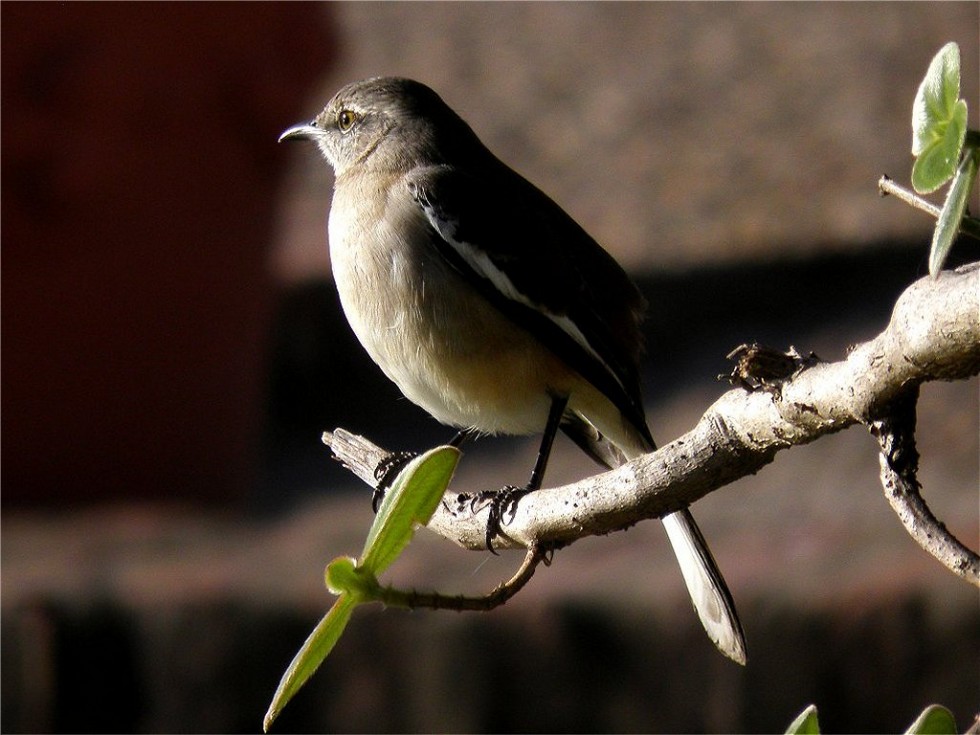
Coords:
pixel 346 120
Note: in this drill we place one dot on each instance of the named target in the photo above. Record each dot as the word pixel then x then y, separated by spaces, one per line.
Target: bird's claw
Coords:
pixel 503 504
pixel 386 472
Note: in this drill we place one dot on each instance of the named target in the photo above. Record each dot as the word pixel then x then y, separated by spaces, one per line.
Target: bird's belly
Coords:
pixel 447 348
pixel 493 394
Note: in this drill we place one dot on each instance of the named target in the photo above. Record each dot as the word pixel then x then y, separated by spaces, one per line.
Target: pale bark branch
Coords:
pixel 899 460
pixel 934 334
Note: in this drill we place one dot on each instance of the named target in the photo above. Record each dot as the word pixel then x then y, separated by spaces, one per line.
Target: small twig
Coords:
pixel 886 185
pixel 500 594
pixel 899 477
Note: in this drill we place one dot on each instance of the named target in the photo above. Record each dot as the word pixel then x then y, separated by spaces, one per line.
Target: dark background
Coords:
pixel 172 349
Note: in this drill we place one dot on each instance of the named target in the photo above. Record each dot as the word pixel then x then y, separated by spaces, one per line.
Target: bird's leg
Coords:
pixel 389 467
pixel 462 436
pixel 504 501
pixel 558 404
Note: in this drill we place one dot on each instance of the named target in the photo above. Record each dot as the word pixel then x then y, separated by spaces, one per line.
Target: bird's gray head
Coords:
pixel 386 123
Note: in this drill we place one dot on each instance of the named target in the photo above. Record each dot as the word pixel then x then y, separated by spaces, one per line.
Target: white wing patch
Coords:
pixel 481 263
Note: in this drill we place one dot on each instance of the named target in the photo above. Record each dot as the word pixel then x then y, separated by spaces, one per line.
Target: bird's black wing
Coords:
pixel 541 269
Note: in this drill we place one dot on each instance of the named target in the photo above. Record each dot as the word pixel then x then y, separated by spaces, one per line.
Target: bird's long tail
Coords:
pixel 712 600
pixel 709 593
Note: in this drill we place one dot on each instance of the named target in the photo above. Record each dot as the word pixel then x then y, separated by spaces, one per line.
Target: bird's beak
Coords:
pixel 306 131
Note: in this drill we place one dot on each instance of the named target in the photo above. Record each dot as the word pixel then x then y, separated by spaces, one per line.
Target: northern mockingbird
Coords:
pixel 485 303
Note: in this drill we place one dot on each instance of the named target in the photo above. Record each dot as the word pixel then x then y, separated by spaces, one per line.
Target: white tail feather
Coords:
pixel 709 593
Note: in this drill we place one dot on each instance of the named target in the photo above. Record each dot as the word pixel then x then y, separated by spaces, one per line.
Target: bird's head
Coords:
pixel 386 123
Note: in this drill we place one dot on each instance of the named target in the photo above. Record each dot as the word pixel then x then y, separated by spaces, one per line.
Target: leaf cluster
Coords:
pixel 944 148
pixel 408 504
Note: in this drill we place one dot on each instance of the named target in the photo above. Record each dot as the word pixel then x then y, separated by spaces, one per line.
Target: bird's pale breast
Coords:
pixel 447 348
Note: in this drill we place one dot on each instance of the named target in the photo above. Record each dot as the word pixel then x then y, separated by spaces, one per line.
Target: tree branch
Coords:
pixel 495 598
pixel 934 334
pixel 899 460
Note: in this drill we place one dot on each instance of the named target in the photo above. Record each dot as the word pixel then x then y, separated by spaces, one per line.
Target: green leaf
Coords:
pixel 805 723
pixel 934 720
pixel 951 215
pixel 937 162
pixel 938 122
pixel 343 577
pixel 937 94
pixel 319 643
pixel 410 502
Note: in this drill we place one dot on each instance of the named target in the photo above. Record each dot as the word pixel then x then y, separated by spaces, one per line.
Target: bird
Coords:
pixel 485 302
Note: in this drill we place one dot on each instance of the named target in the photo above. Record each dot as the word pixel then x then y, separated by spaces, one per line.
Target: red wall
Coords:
pixel 139 177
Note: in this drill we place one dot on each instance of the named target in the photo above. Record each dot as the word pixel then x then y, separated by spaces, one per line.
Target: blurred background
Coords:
pixel 173 348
